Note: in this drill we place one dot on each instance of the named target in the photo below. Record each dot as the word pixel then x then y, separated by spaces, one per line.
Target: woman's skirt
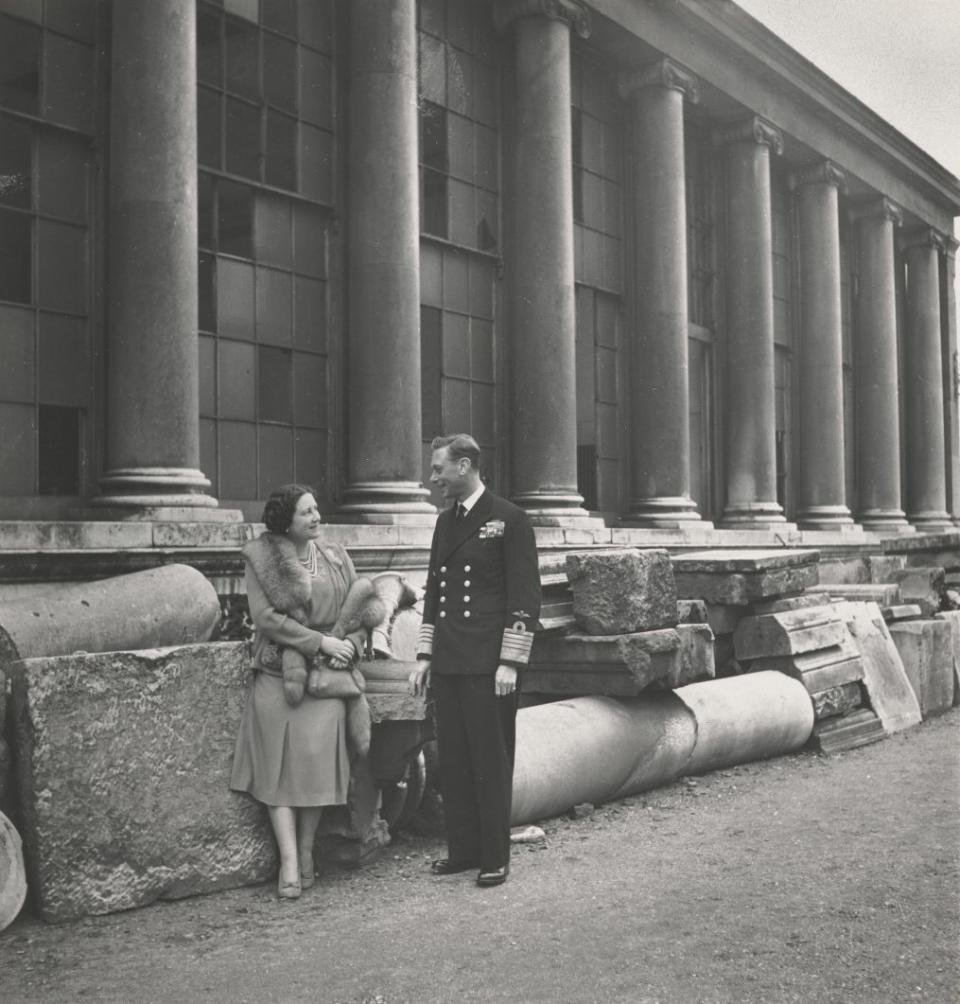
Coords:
pixel 291 756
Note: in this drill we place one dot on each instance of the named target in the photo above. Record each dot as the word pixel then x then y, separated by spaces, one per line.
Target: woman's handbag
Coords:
pixel 324 681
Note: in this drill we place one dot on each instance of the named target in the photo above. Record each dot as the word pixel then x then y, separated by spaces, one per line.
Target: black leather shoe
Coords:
pixel 444 866
pixel 495 876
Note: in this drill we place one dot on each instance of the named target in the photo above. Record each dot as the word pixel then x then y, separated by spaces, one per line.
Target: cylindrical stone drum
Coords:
pixel 744 718
pixel 596 749
pixel 171 605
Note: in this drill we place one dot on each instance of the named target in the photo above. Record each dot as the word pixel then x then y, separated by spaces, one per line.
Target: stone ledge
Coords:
pixel 947 541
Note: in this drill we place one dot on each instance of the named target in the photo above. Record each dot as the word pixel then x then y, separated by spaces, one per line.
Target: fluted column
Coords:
pixel 660 377
pixel 878 413
pixel 751 419
pixel 384 462
pixel 542 326
pixel 951 374
pixel 923 384
pixel 821 492
pixel 153 441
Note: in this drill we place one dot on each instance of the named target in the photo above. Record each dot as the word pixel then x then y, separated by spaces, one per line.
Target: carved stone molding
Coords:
pixel 950 245
pixel 662 73
pixel 880 207
pixel 750 130
pixel 923 237
pixel 575 13
pixel 823 172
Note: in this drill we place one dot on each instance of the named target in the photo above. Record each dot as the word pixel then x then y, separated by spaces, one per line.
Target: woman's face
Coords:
pixel 306 522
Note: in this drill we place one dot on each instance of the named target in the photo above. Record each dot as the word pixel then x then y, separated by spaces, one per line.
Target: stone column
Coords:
pixel 153 441
pixel 384 462
pixel 923 384
pixel 951 373
pixel 751 418
pixel 877 379
pixel 821 495
pixel 660 377
pixel 542 326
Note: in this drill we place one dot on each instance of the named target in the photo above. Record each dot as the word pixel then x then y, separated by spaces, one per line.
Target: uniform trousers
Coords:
pixel 476 740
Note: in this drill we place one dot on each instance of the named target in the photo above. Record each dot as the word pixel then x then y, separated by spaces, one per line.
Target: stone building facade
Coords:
pixel 668 273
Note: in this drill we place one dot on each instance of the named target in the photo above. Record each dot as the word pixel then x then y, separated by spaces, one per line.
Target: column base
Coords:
pixel 754 516
pixel 892 521
pixel 928 520
pixel 824 517
pixel 664 512
pixel 386 502
pixel 556 509
pixel 155 487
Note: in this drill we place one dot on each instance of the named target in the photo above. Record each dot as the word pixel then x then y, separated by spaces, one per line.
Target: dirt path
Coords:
pixel 804 879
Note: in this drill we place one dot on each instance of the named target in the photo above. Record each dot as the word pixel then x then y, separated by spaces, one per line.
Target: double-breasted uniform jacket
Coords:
pixel 482 599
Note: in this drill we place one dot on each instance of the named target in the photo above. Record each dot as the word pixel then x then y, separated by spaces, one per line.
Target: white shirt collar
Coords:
pixel 471 500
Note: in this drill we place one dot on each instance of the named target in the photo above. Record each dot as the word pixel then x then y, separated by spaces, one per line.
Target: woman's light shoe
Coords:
pixel 288 890
pixel 307 881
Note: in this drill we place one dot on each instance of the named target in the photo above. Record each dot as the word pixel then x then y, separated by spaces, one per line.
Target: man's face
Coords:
pixel 448 474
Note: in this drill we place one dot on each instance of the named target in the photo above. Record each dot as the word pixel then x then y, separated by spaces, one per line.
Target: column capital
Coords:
pixel 575 13
pixel 923 237
pixel 823 172
pixel 662 73
pixel 750 130
pixel 950 245
pixel 880 207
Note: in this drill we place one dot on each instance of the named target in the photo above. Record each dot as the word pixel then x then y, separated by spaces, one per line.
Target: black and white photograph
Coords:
pixel 479 502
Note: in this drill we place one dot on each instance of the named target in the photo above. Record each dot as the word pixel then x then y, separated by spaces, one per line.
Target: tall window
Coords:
pixel 47 112
pixel 597 135
pixel 782 228
pixel 266 187
pixel 460 228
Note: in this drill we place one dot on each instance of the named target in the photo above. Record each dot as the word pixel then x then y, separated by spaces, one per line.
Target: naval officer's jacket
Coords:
pixel 482 600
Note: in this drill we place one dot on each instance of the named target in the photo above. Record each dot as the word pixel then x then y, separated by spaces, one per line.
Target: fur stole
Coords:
pixel 286 583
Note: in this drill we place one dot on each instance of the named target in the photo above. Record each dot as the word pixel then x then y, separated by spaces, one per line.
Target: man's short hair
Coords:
pixel 461 446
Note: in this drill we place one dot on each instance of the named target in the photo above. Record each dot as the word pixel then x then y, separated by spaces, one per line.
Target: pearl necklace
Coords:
pixel 310 561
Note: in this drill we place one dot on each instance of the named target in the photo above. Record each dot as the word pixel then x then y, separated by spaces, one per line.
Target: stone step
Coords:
pixel 900 612
pixel 835 735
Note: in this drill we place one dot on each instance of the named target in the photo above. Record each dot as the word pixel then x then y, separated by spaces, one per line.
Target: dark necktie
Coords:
pixel 461 512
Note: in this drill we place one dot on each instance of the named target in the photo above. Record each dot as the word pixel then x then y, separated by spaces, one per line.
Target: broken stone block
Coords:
pixel 886 594
pixel 901 612
pixel 817 671
pixel 884 677
pixel 617 592
pixel 782 603
pixel 926 648
pixel 123 763
pixel 883 566
pixel 612 665
pixel 582 810
pixel 837 701
pixel 844 570
pixel 696 655
pixel 922 585
pixel 723 618
pixel 742 577
pixel 691 612
pixel 835 735
pixel 952 617
pixel 789 633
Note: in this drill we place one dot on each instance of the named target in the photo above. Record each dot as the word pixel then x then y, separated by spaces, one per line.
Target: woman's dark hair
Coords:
pixel 282 504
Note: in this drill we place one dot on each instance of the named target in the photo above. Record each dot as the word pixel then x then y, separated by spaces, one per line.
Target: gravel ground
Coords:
pixel 806 878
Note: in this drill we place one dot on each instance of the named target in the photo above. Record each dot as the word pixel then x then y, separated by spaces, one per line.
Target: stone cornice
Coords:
pixel 575 13
pixel 750 130
pixel 880 207
pixel 823 172
pixel 922 237
pixel 662 73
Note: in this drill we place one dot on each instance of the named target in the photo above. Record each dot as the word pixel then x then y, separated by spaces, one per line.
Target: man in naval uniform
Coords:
pixel 481 606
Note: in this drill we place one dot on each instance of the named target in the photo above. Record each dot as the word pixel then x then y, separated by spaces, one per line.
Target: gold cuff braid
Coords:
pixel 425 640
pixel 516 646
